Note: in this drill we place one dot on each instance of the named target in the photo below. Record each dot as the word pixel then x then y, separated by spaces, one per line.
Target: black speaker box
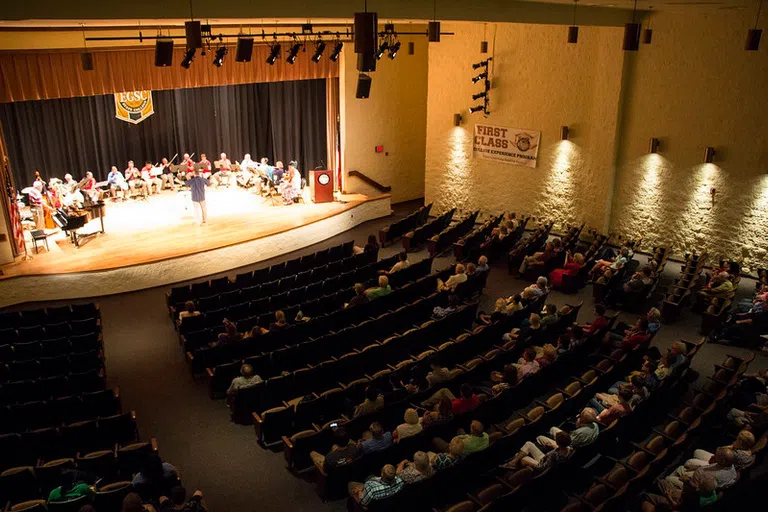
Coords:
pixel 363 86
pixel 163 52
pixel 87 61
pixel 366 24
pixel 244 49
pixel 366 62
pixel 631 37
pixel 753 39
pixel 194 34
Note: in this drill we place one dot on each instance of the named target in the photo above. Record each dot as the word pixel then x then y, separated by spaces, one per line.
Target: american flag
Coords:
pixel 13 210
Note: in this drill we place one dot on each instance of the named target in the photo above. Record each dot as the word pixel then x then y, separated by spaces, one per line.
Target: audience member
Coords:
pixel 402 263
pixel 375 439
pixel 374 401
pixel 411 427
pixel 379 291
pixel 482 264
pixel 447 459
pixel 471 270
pixel 477 440
pixel 230 334
pixel 343 451
pixel 455 280
pixel 442 413
pixel 438 374
pixel 441 312
pixel 539 259
pixel 742 453
pixel 599 323
pixel 377 487
pixel 71 488
pixel 466 402
pixel 527 365
pixel 637 335
pixel 618 408
pixel 189 310
pixel 531 456
pixel 548 355
pixel 419 469
pixel 371 245
pixel 360 296
pixel 525 332
pixel 550 315
pixel 178 501
pixel 279 323
pixel 571 267
pixel 246 379
pixel 499 313
pixel 585 433
pixel 155 478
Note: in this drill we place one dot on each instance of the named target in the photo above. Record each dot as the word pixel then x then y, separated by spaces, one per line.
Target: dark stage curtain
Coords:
pixel 280 120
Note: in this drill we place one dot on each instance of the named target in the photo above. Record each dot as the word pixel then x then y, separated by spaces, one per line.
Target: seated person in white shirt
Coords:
pixel 452 282
pixel 247 379
pixel 402 263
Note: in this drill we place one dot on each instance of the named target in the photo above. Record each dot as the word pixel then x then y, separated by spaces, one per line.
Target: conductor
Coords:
pixel 197 186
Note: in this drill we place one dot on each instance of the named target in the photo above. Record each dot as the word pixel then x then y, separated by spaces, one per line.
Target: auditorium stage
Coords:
pixel 157 242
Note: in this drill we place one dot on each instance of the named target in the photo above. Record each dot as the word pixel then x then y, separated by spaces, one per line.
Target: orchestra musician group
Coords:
pixel 261 178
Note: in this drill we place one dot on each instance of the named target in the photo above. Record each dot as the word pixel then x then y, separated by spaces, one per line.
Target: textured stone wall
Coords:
pixel 394 116
pixel 539 82
pixel 696 86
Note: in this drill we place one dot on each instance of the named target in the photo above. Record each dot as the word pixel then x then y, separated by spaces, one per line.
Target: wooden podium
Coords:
pixel 321 186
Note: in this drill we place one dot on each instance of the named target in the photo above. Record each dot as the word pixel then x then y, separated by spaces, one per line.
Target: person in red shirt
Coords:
pixel 133 177
pixel 90 188
pixel 631 337
pixel 223 175
pixel 153 182
pixel 205 165
pixel 600 322
pixel 466 402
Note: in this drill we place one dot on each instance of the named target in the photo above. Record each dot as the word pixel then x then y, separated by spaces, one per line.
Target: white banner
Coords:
pixel 508 145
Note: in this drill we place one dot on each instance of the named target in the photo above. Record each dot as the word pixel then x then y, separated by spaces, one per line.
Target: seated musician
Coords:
pixel 154 184
pixel 133 176
pixel 117 183
pixel 186 169
pixel 245 176
pixel 167 177
pixel 292 184
pixel 222 176
pixel 89 186
pixel 37 205
pixel 71 194
pixel 265 174
pixel 205 166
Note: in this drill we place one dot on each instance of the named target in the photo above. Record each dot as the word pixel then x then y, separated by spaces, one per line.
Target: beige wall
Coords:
pixel 539 82
pixel 696 86
pixel 394 116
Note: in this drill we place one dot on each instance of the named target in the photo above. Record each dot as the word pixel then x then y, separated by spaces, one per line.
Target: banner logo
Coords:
pixel 508 145
pixel 133 107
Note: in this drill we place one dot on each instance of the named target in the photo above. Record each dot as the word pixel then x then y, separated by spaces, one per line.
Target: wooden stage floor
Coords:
pixel 141 232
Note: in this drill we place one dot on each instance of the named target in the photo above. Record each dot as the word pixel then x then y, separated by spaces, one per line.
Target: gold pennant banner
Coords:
pixel 134 106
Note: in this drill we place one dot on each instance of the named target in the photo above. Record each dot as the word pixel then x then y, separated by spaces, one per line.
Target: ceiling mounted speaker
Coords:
pixel 433 31
pixel 366 62
pixel 483 46
pixel 194 34
pixel 631 37
pixel 87 58
pixel 244 50
pixel 163 53
pixel 573 35
pixel 363 87
pixel 753 39
pixel 366 24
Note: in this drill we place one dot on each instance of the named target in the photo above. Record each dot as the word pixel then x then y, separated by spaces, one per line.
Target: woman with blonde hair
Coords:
pixel 419 469
pixel 411 427
pixel 571 267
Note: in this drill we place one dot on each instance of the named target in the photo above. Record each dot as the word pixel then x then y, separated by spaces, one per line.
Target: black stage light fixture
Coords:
pixel 218 58
pixel 394 49
pixel 163 52
pixel 476 108
pixel 753 39
pixel 564 132
pixel 189 57
pixel 274 53
pixel 481 76
pixel 481 64
pixel 244 50
pixel 382 49
pixel 293 52
pixel 653 147
pixel 319 49
pixel 479 95
pixel 434 31
pixel 334 56
pixel 87 59
pixel 709 155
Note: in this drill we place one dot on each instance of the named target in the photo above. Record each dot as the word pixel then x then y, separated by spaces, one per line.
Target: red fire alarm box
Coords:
pixel 379 149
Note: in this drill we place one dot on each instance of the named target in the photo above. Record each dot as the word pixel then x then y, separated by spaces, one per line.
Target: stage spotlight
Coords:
pixel 481 76
pixel 218 58
pixel 319 49
pixel 477 108
pixel 394 49
pixel 292 53
pixel 478 95
pixel 382 49
pixel 334 56
pixel 189 56
pixel 274 53
pixel 481 64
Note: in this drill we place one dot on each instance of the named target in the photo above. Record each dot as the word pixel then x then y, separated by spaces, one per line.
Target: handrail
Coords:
pixel 370 181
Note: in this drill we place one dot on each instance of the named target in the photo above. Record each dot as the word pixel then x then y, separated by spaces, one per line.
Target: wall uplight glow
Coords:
pixel 559 185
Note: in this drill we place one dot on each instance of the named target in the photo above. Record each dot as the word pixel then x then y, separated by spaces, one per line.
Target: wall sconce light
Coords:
pixel 654 145
pixel 564 132
pixel 709 154
pixel 456 119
